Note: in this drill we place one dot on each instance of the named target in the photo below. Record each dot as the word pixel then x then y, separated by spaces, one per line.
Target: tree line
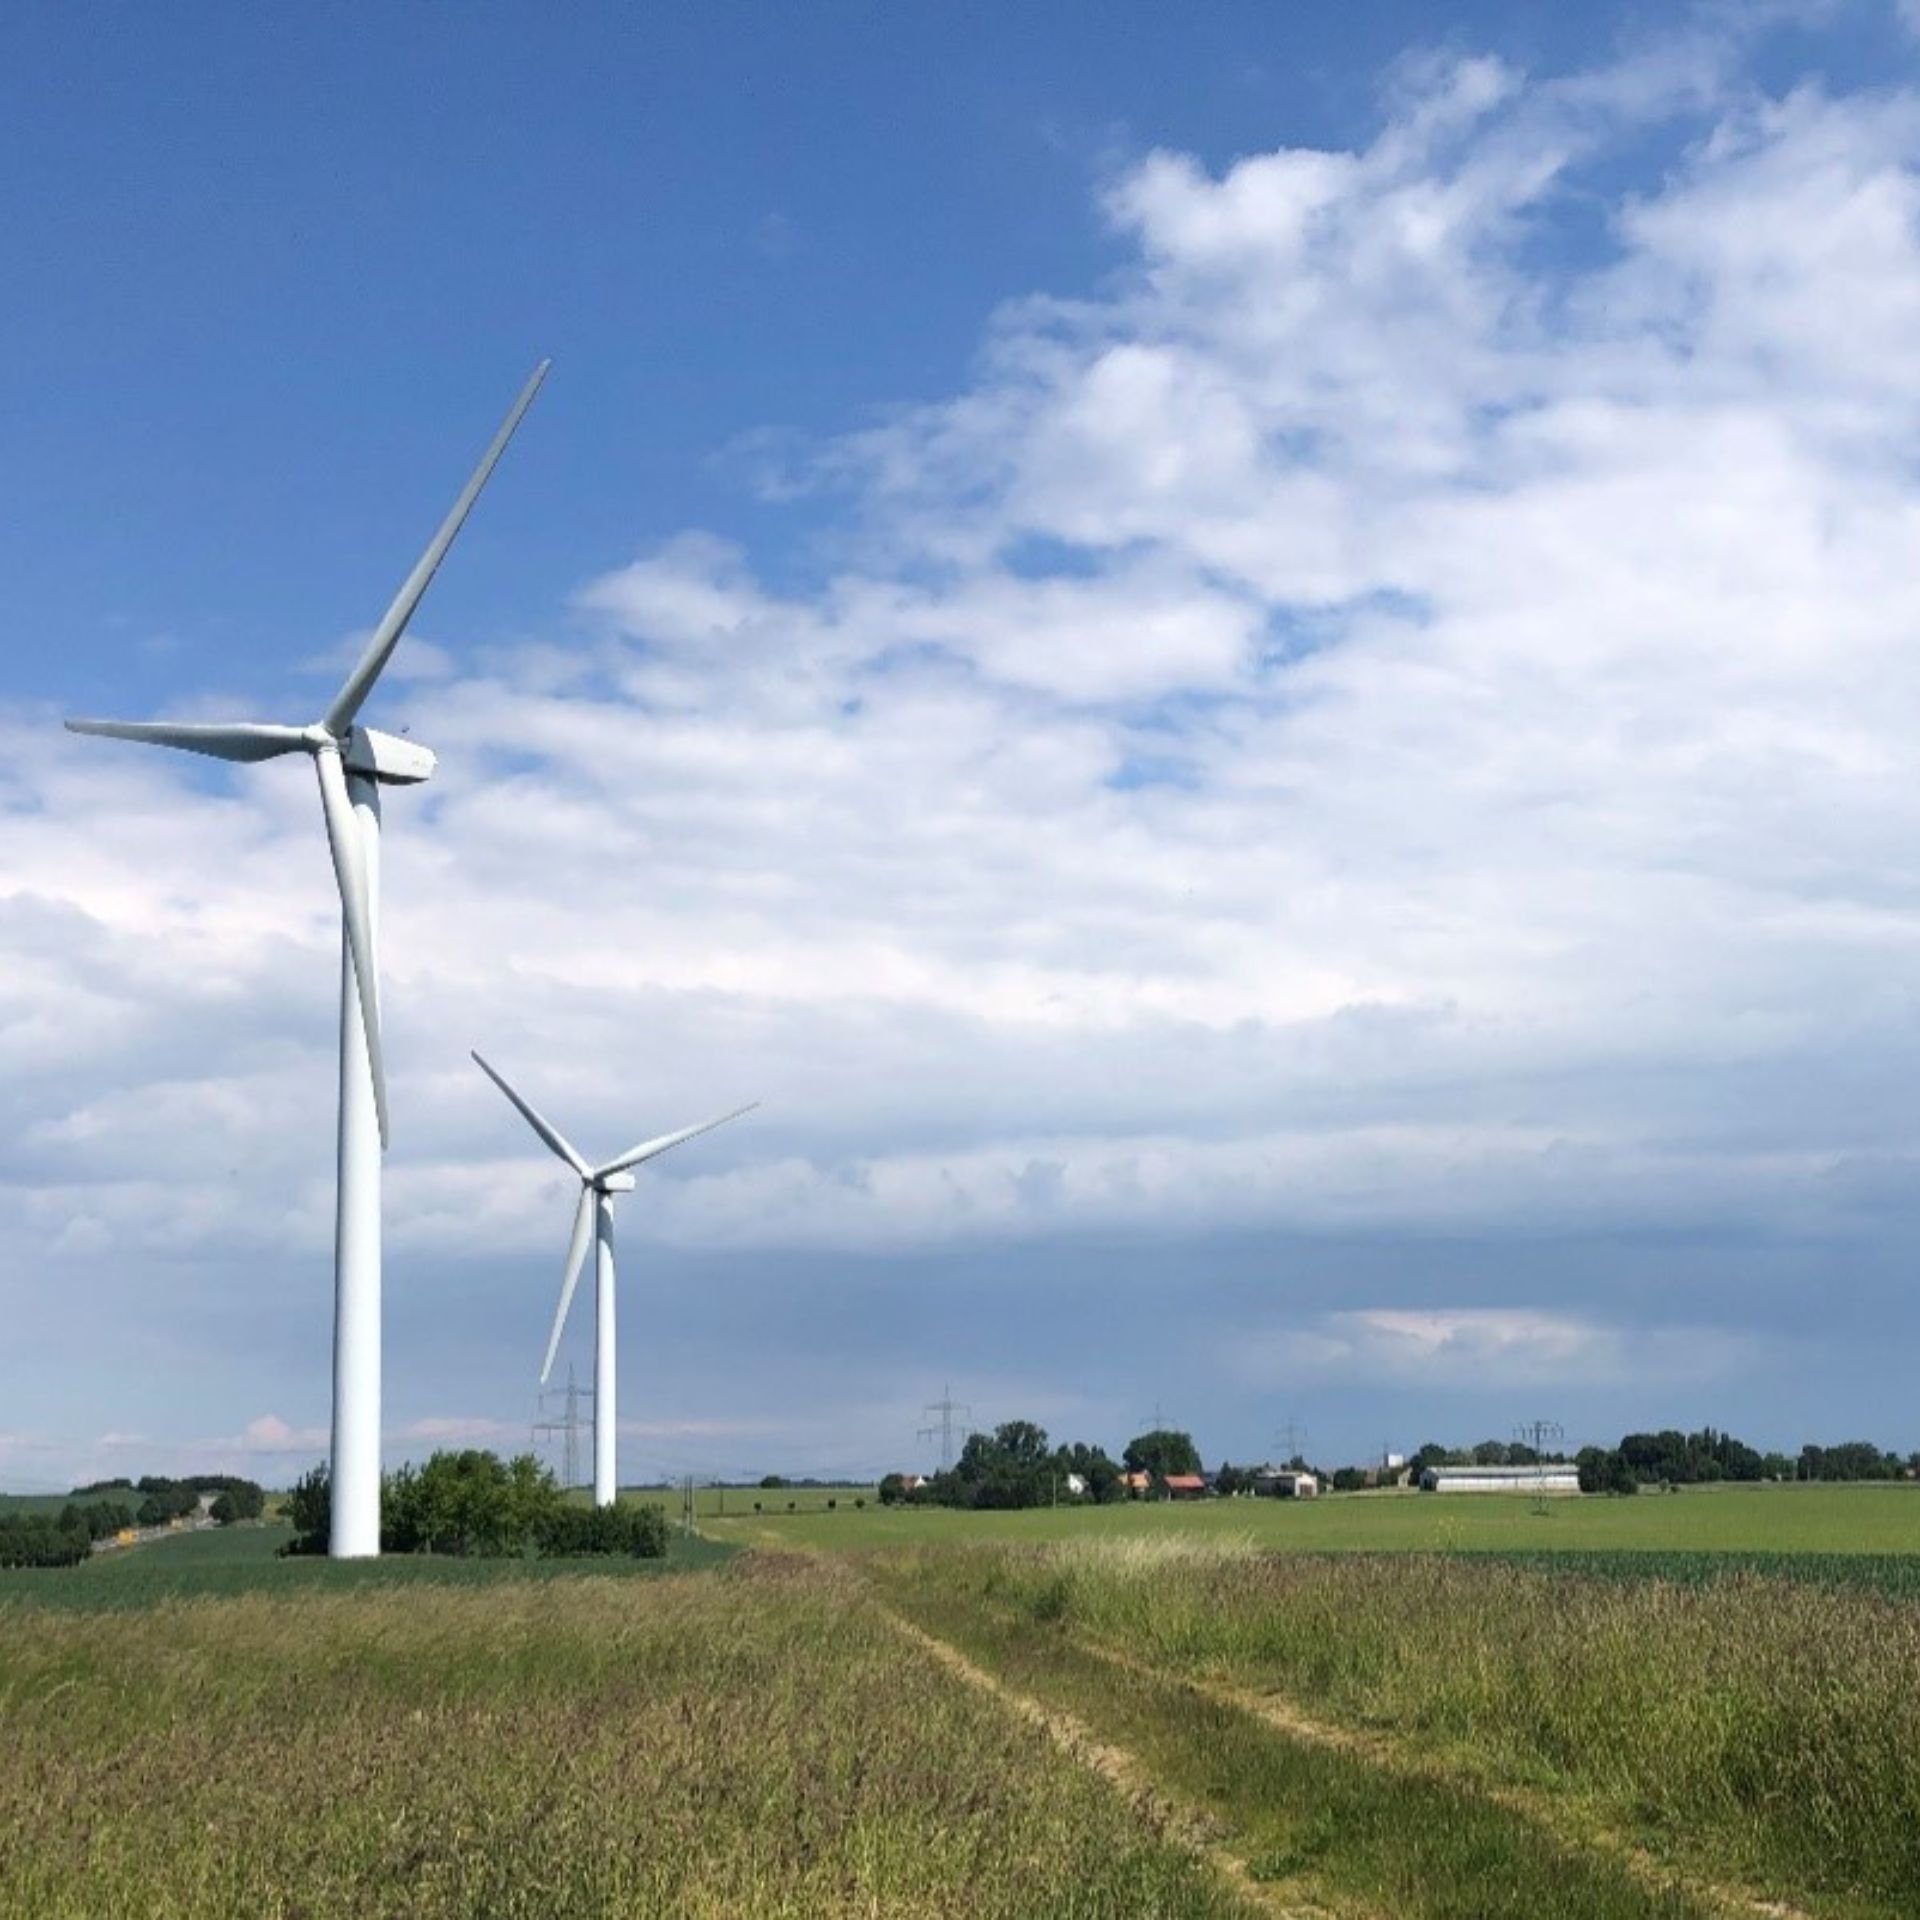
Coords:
pixel 1017 1466
pixel 1675 1459
pixel 103 1508
pixel 471 1503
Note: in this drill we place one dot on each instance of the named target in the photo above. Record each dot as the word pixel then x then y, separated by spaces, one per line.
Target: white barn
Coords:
pixel 1550 1477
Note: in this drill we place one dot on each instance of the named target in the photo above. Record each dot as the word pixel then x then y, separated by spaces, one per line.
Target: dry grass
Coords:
pixel 1762 1728
pixel 719 1744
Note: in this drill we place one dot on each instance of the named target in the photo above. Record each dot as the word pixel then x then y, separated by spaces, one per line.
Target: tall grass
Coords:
pixel 1764 1726
pixel 716 1744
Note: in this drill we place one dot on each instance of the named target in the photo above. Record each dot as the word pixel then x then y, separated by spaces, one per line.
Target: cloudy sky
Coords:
pixel 1262 673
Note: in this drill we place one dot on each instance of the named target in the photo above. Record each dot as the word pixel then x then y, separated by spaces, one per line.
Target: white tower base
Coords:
pixel 605 1473
pixel 355 1531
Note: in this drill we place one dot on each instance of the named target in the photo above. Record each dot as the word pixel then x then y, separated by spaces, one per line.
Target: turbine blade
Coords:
pixel 224 740
pixel 349 869
pixel 538 1122
pixel 576 1253
pixel 648 1148
pixel 359 683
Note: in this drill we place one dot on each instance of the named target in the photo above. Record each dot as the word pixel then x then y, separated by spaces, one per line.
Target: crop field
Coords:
pixel 760 1739
pixel 1423 1734
pixel 740 1503
pixel 246 1559
pixel 1155 1714
pixel 1867 1520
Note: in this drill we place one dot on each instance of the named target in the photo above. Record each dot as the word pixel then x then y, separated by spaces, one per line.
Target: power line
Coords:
pixel 946 1407
pixel 1536 1434
pixel 568 1426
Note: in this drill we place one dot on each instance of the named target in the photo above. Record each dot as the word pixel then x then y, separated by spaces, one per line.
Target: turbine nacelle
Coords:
pixel 388 758
pixel 616 1183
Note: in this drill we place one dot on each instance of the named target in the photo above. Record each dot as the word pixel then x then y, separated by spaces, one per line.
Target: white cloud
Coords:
pixel 1488 1351
pixel 1394 712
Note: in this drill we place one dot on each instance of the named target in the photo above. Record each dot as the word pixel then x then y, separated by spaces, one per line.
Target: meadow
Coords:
pixel 1444 1709
pixel 1783 1520
pixel 755 1740
pixel 246 1559
pixel 1743 1739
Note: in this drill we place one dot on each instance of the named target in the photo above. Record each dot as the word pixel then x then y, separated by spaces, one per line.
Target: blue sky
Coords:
pixel 1255 665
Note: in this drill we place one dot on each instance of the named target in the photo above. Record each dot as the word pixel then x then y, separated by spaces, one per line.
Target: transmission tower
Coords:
pixel 1536 1434
pixel 569 1426
pixel 1293 1437
pixel 946 1407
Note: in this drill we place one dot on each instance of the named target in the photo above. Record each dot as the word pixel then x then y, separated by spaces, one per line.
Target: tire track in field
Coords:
pixel 1288 1717
pixel 1187 1827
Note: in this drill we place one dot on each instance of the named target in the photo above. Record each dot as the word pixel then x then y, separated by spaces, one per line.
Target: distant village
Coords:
pixel 1017 1466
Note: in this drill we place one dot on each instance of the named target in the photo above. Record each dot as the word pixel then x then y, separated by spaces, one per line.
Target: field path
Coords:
pixel 1185 1826
pixel 1288 1717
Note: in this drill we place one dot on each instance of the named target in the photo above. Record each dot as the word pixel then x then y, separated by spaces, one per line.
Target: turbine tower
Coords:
pixel 593 1220
pixel 352 763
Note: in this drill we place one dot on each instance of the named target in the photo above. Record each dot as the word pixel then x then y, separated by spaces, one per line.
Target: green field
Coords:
pixel 51 1503
pixel 712 1503
pixel 1754 1739
pixel 1879 1520
pixel 247 1559
pixel 707 1745
pixel 1442 1708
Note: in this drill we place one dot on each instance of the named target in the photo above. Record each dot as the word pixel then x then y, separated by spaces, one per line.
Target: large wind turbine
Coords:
pixel 593 1219
pixel 353 763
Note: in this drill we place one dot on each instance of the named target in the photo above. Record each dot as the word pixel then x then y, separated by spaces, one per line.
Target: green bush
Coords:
pixel 473 1504
pixel 640 1532
pixel 35 1540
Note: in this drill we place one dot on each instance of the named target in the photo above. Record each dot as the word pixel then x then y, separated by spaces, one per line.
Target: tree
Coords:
pixel 241 1500
pixel 1163 1451
pixel 1605 1470
pixel 310 1508
pixel 893 1489
pixel 1010 1467
pixel 1100 1474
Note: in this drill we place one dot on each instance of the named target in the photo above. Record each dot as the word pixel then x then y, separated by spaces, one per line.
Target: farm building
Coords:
pixel 1286 1483
pixel 1186 1486
pixel 1552 1477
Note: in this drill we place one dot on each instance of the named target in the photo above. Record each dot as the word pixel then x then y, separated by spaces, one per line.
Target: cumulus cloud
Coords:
pixel 1486 1351
pixel 1393 713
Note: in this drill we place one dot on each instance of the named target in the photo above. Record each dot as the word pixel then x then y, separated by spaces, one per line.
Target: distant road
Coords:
pixel 142 1535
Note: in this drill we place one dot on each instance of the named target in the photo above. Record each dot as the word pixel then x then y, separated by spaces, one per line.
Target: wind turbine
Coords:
pixel 353 763
pixel 593 1219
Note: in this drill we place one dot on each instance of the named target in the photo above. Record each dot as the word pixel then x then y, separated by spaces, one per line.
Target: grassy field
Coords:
pixel 1228 1708
pixel 1874 1520
pixel 737 1503
pixel 754 1741
pixel 1757 1737
pixel 246 1560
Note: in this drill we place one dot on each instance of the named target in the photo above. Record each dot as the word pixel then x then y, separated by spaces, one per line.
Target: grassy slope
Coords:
pixel 716 1744
pixel 1812 1520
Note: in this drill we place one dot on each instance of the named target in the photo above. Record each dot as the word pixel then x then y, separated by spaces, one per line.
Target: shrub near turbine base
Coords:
pixel 473 1504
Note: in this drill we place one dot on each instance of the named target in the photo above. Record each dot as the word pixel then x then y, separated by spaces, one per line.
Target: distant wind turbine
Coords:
pixel 352 762
pixel 593 1220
